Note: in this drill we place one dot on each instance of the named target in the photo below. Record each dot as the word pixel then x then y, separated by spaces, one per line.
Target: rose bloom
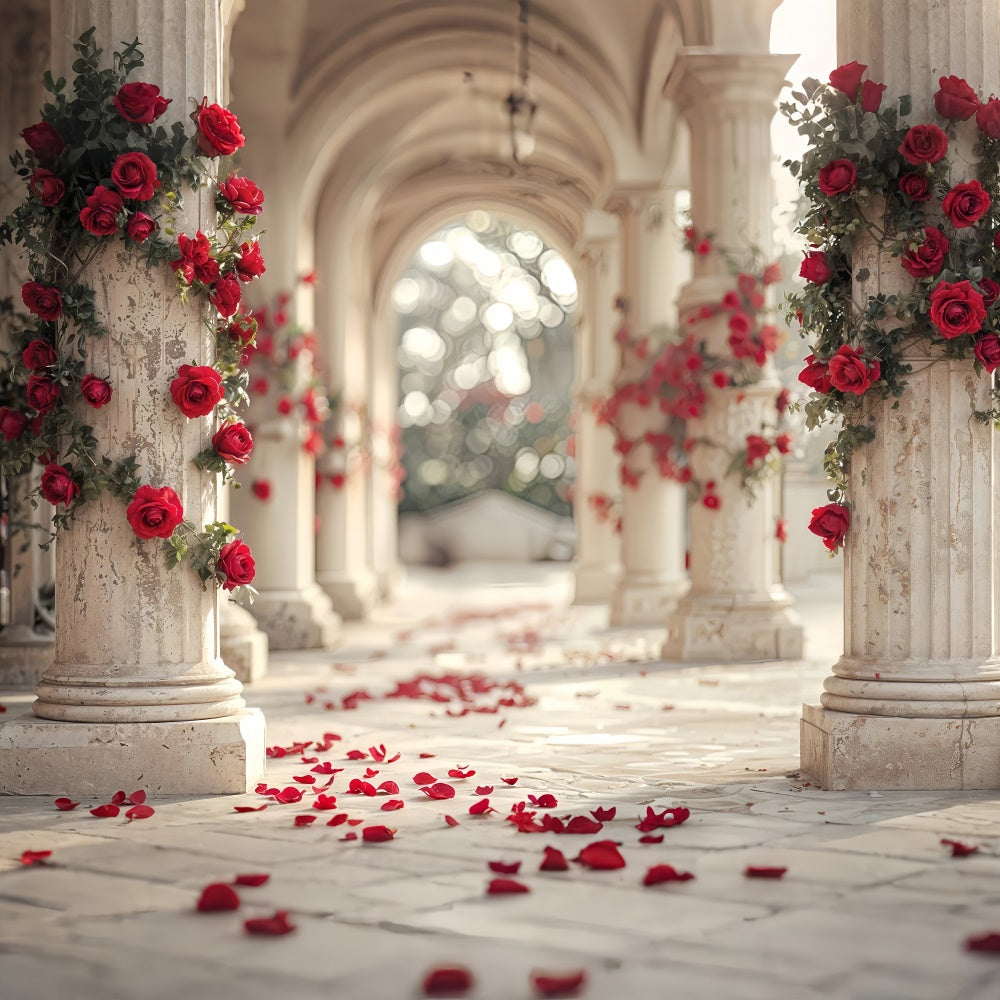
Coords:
pixel 988 119
pixel 242 195
pixel 838 177
pixel 233 443
pixel 965 204
pixel 46 187
pixel 250 264
pixel 134 174
pixel 226 295
pixel 989 290
pixel 140 103
pixel 235 564
pixel 915 186
pixel 830 523
pixel 955 99
pixel 871 95
pixel 816 268
pixel 988 351
pixel 154 513
pixel 956 308
pixel 847 78
pixel 923 260
pixel 96 391
pixel 816 374
pixel 242 328
pixel 58 485
pixel 140 226
pixel 42 300
pixel 218 131
pixel 42 393
pixel 12 423
pixel 757 448
pixel 851 372
pixel 100 216
pixel 38 354
pixel 196 390
pixel 44 141
pixel 194 251
pixel 783 442
pixel 208 273
pixel 923 144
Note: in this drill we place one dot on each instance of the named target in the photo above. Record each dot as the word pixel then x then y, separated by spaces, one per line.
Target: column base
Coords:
pixel 352 596
pixel 843 751
pixel 297 619
pixel 596 584
pixel 243 646
pixel 725 631
pixel 646 599
pixel 205 757
pixel 24 656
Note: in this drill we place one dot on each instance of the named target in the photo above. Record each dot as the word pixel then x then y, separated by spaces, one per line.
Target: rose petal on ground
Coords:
pixel 305 820
pixel 370 772
pixel 377 834
pixel 565 985
pixel 651 838
pixel 289 794
pixel 764 871
pixel 554 861
pixel 958 849
pixel 249 809
pixel 583 824
pixel 35 857
pixel 66 805
pixel 604 815
pixel 118 798
pixel 484 790
pixel 137 798
pixel 337 820
pixel 665 873
pixel 447 981
pixel 451 821
pixel 354 822
pixel 356 755
pixel 350 835
pixel 669 817
pixel 304 779
pixel 440 790
pixel 509 781
pixel 602 854
pixel 106 811
pixel 424 756
pixel 392 804
pixel 326 768
pixel 309 760
pixel 278 924
pixel 377 753
pixel 217 896
pixel 456 772
pixel 505 886
pixel 323 801
pixel 481 807
pixel 389 787
pixel 252 879
pixel 359 787
pixel 546 801
pixel 140 812
pixel 423 778
pixel 989 942
pixel 505 867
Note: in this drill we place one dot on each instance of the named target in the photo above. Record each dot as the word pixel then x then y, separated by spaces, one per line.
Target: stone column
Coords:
pixel 737 608
pixel 653 577
pixel 137 663
pixel 598 545
pixel 914 702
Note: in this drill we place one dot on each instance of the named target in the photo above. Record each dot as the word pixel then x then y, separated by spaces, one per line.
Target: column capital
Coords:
pixel 628 200
pixel 702 76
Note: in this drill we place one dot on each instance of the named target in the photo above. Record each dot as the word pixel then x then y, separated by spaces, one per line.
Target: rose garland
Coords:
pixel 98 169
pixel 875 180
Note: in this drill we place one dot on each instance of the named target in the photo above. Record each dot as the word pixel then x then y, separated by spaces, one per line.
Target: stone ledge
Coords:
pixel 735 635
pixel 204 757
pixel 302 619
pixel 639 601
pixel 842 751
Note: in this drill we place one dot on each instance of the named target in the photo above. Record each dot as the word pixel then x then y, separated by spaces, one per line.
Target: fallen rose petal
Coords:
pixel 567 985
pixel 304 820
pixel 389 787
pixel 509 781
pixel 505 886
pixel 764 871
pixel 583 824
pixel 289 794
pixel 484 790
pixel 669 817
pixel 309 760
pixel 377 834
pixel 253 879
pixel 350 835
pixel 665 873
pixel 505 867
pixel 66 805
pixel 447 981
pixel 440 790
pixel 278 924
pixel 958 849
pixel 304 779
pixel 651 838
pixel 249 809
pixel 217 896
pixel 424 756
pixel 481 807
pixel 378 753
pixel 602 854
pixel 356 755
pixel 106 811
pixel 354 822
pixel 424 778
pixel 370 772
pixel 604 815
pixel 118 798
pixel 451 821
pixel 140 812
pixel 323 801
pixel 35 857
pixel 456 772
pixel 337 820
pixel 137 798
pixel 392 804
pixel 263 789
pixel 359 787
pixel 546 801
pixel 326 768
pixel 554 861
pixel 989 942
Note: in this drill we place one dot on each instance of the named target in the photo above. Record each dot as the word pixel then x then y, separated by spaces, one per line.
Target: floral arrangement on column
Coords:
pixel 903 247
pixel 100 172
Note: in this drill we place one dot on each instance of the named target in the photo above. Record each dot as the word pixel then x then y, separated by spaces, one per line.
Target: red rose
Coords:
pixel 757 448
pixel 140 226
pixel 134 174
pixel 226 295
pixel 923 260
pixel 233 443
pixel 965 204
pixel 242 328
pixel 955 98
pixel 45 186
pixel 42 393
pixel 195 253
pixel 196 390
pixel 956 308
pixel 42 300
pixel 816 374
pixel 989 290
pixel 12 423
pixel 44 141
pixel 923 144
pixel 38 354
pixel 871 95
pixel 261 489
pixel 915 186
pixel 988 118
pixel 838 177
pixel 831 523
pixel 154 513
pixel 847 78
pixel 850 371
pixel 816 268
pixel 140 103
pixel 100 216
pixel 235 564
pixel 988 351
pixel 218 130
pixel 250 264
pixel 783 442
pixel 242 195
pixel 96 391
pixel 58 485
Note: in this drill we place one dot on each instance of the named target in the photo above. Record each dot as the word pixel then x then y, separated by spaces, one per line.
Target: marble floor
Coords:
pixel 490 670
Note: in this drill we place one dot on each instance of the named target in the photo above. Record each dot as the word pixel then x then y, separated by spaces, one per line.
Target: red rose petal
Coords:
pixel 359 787
pixel 554 861
pixel 326 768
pixel 484 790
pixel 651 838
pixel 304 779
pixel 451 821
pixel 764 871
pixel 424 756
pixel 509 781
pixel 140 812
pixel 440 790
pixel 350 835
pixel 378 753
pixel 602 854
pixel 669 817
pixel 505 886
pixel 249 809
pixel 337 820
pixel 354 822
pixel 665 873
pixel 137 798
pixel 456 772
pixel 389 787
pixel 304 820
pixel 356 755
pixel 377 834
pixel 309 760
pixel 447 981
pixel 278 924
pixel 35 857
pixel 370 772
pixel 604 815
pixel 218 896
pixel 550 824
pixel 481 808
pixel 390 805
pixel 118 798
pixel 989 942
pixel 323 802
pixel 253 879
pixel 423 778
pixel 505 867
pixel 958 849
pixel 106 811
pixel 567 985
pixel 289 794
pixel 546 801
pixel 66 805
pixel 583 824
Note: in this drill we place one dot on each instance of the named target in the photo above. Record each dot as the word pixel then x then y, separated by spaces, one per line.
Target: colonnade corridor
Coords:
pixel 516 715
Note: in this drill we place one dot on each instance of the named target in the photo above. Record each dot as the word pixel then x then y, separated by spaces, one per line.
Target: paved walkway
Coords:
pixel 872 906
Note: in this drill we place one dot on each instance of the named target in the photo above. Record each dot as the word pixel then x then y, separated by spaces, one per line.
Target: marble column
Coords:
pixel 137 667
pixel 598 545
pixel 654 513
pixel 737 608
pixel 914 702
